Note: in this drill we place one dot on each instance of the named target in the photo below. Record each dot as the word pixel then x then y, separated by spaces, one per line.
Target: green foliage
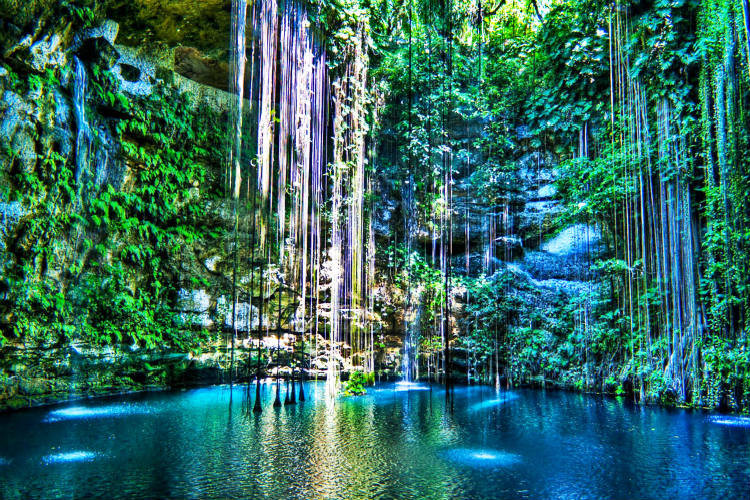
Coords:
pixel 97 264
pixel 340 22
pixel 355 386
pixel 80 12
pixel 574 52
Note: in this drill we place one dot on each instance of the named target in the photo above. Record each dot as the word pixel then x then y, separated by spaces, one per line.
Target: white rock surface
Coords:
pixel 576 239
pixel 195 305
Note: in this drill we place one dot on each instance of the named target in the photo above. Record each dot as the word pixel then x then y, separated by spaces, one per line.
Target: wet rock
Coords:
pixel 62 135
pixel 32 376
pixel 469 214
pixel 47 53
pixel 384 214
pixel 205 23
pixel 107 31
pixel 130 73
pixel 546 191
pixel 136 73
pixel 98 51
pixel 193 300
pixel 194 306
pixel 578 239
pixel 212 262
pixel 512 242
pixel 22 44
pixel 536 168
pixel 478 265
pixel 10 215
pixel 546 266
pixel 569 287
pixel 17 130
pixel 191 63
pixel 246 315
pixel 32 386
pixel 108 167
pixel 537 220
pixel 508 247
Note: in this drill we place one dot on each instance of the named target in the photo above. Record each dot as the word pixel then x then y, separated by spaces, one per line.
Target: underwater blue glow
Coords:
pixel 207 443
pixel 410 386
pixel 482 457
pixel 90 412
pixel 4 461
pixel 70 456
pixel 730 420
pixel 491 403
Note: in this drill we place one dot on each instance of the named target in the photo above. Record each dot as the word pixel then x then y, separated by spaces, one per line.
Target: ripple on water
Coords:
pixel 482 457
pixel 69 456
pixel 730 420
pixel 90 412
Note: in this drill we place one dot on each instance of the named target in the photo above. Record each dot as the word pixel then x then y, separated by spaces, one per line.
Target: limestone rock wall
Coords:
pixel 141 43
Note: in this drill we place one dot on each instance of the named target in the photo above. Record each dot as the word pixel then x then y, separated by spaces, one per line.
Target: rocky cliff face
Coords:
pixel 58 115
pixel 54 104
pixel 519 239
pixel 115 228
pixel 531 238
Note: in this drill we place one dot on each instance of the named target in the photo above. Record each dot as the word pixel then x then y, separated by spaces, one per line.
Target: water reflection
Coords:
pixel 387 444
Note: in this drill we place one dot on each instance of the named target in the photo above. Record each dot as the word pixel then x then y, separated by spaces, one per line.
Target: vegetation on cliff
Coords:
pixel 508 191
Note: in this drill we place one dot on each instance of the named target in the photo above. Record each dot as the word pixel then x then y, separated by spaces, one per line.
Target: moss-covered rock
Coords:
pixel 204 24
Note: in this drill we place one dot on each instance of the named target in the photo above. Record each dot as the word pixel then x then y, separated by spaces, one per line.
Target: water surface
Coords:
pixel 396 442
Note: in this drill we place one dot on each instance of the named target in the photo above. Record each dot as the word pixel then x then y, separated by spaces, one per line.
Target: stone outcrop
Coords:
pixel 191 63
pixel 36 121
pixel 43 375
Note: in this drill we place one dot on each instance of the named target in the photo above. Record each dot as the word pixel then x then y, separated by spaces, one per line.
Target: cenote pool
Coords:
pixel 396 442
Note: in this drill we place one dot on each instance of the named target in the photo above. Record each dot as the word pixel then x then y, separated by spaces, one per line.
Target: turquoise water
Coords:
pixel 396 442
